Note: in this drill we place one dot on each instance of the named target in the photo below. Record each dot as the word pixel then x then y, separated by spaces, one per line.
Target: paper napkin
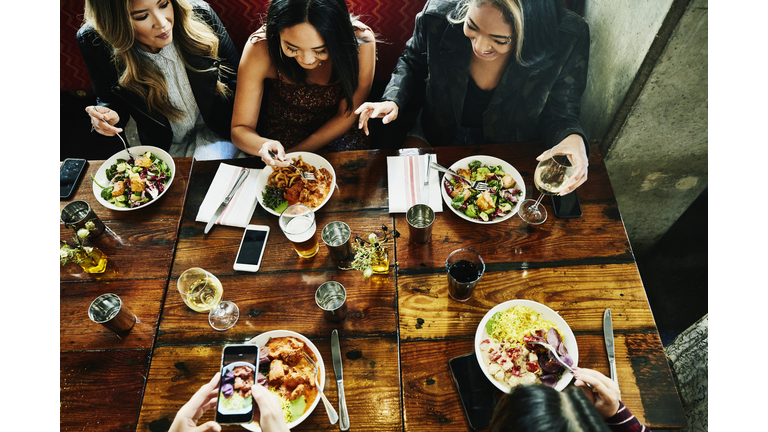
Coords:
pixel 240 209
pixel 406 182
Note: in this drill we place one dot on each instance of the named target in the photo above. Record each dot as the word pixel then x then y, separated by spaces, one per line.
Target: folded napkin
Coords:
pixel 240 209
pixel 406 182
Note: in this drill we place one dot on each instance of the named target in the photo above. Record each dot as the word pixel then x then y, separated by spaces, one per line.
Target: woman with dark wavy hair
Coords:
pixel 168 64
pixel 539 408
pixel 493 71
pixel 301 77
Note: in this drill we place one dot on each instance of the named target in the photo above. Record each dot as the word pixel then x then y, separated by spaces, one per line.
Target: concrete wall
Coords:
pixel 650 117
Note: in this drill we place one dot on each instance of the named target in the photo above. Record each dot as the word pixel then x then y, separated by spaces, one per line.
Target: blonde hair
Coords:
pixel 112 20
pixel 511 10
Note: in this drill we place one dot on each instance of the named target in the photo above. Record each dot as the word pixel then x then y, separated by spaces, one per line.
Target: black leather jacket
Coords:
pixel 155 129
pixel 525 106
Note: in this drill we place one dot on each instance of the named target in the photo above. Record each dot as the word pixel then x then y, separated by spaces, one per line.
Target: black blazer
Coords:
pixel 525 106
pixel 155 129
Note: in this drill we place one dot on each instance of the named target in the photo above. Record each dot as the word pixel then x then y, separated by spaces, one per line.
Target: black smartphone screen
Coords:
pixel 238 374
pixel 566 206
pixel 69 173
pixel 253 244
pixel 478 396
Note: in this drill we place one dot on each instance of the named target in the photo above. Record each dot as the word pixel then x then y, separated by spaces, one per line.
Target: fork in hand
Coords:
pixel 332 416
pixel 124 143
pixel 559 360
pixel 474 184
pixel 304 175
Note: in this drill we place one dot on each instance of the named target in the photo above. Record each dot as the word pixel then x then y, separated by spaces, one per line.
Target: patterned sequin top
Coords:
pixel 292 112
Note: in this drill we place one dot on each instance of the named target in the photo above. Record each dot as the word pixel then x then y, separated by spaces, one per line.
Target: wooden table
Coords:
pixel 401 328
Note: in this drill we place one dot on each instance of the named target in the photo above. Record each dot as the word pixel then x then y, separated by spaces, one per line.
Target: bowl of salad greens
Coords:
pixel 498 203
pixel 125 183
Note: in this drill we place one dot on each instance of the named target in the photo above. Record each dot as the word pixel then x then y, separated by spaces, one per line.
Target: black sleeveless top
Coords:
pixel 475 103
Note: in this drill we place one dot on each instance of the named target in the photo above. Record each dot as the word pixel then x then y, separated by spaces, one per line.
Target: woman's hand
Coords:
pixel 387 109
pixel 574 147
pixel 277 149
pixel 187 417
pixel 270 413
pixel 104 120
pixel 605 395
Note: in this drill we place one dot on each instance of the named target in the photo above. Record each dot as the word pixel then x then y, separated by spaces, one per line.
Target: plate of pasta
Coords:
pixel 280 187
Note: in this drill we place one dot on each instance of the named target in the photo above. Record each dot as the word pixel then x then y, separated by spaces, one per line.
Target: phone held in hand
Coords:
pixel 566 206
pixel 69 174
pixel 251 248
pixel 238 375
pixel 478 396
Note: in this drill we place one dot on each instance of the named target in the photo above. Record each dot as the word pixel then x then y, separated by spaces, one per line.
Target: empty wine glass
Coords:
pixel 202 292
pixel 551 176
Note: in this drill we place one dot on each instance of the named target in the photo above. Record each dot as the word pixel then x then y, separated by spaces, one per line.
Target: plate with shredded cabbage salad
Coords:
pixel 504 351
pixel 125 183
pixel 498 203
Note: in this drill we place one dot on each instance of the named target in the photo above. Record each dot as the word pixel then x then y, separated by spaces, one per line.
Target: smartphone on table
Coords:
pixel 566 206
pixel 478 396
pixel 69 174
pixel 251 248
pixel 238 375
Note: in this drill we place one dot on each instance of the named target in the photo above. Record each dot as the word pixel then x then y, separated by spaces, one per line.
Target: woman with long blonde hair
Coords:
pixel 493 71
pixel 167 64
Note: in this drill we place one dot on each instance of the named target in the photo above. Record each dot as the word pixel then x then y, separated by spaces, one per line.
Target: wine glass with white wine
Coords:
pixel 551 176
pixel 202 292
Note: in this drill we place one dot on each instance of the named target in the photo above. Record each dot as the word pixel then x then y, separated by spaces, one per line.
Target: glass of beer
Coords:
pixel 298 224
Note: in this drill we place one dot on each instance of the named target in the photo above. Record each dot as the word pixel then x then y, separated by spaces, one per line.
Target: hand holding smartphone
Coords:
pixel 251 248
pixel 238 375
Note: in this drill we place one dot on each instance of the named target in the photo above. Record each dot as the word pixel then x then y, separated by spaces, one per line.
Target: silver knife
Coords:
pixel 240 180
pixel 425 189
pixel 608 333
pixel 337 370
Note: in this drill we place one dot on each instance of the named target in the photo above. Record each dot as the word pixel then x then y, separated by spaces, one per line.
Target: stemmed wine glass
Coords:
pixel 202 292
pixel 551 177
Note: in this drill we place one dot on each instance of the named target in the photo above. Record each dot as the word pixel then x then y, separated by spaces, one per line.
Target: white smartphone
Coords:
pixel 251 248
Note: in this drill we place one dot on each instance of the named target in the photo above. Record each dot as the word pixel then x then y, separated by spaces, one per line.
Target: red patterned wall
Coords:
pixel 392 20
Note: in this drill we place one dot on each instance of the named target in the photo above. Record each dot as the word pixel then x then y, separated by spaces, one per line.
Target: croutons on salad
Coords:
pixel 496 201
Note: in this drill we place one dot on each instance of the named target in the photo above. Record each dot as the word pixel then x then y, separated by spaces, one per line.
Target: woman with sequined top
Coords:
pixel 300 79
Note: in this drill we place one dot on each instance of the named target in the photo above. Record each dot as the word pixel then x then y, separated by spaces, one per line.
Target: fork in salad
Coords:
pixel 474 184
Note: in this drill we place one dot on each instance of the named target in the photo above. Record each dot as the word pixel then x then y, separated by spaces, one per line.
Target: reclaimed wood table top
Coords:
pixel 401 328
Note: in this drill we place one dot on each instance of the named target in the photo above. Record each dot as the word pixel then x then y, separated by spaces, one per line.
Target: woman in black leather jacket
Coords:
pixel 493 71
pixel 170 65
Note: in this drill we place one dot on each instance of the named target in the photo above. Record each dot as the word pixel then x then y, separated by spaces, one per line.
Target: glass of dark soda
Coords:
pixel 465 268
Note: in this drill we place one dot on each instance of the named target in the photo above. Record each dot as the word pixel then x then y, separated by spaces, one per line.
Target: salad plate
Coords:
pixel 101 175
pixel 315 160
pixel 261 340
pixel 546 313
pixel 489 161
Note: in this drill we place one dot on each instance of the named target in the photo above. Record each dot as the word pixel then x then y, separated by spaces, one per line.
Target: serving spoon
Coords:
pixel 332 415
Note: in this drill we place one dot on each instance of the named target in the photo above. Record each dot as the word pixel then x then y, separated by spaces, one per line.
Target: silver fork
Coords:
pixel 124 143
pixel 559 360
pixel 332 416
pixel 474 184
pixel 304 175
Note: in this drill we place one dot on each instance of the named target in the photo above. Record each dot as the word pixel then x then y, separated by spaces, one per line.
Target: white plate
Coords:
pixel 546 313
pixel 101 174
pixel 261 340
pixel 486 160
pixel 227 369
pixel 316 161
